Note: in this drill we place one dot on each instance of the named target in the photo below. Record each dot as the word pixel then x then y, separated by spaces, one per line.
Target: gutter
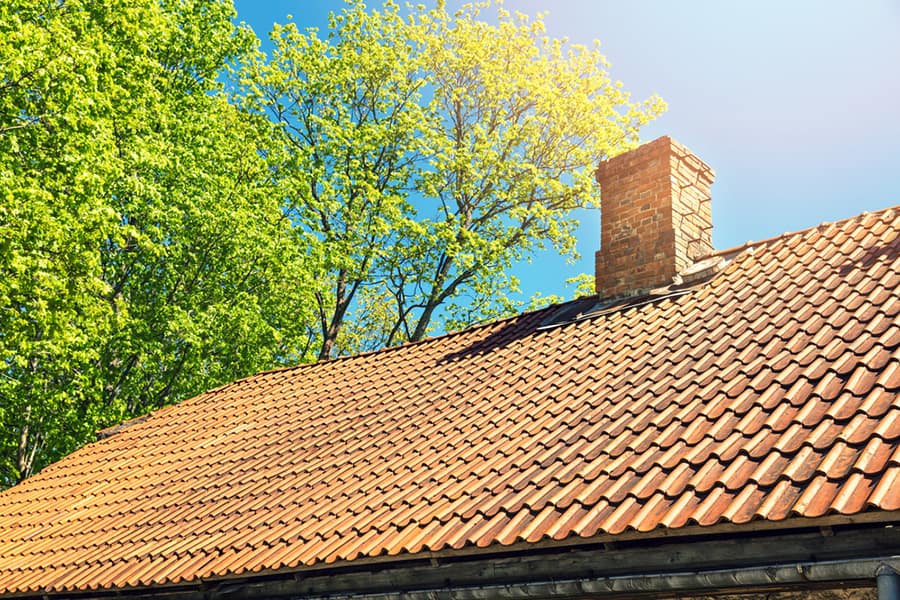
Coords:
pixel 883 570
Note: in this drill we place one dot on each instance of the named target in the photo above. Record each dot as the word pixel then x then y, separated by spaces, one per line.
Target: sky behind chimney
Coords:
pixel 796 105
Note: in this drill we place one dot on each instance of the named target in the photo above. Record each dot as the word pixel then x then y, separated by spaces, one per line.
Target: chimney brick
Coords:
pixel 655 217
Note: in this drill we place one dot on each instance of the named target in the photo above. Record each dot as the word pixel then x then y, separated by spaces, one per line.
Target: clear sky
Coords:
pixel 795 104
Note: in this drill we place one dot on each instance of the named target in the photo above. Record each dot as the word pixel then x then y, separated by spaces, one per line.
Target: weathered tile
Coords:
pixel 771 392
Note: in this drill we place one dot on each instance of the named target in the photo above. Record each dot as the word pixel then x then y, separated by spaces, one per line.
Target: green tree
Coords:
pixel 347 113
pixel 425 153
pixel 142 257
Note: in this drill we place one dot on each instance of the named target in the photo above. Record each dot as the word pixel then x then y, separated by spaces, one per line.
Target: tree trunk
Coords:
pixel 24 459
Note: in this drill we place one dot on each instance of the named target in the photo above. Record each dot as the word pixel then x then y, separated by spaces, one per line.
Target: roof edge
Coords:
pixel 230 586
pixel 728 252
pixel 716 530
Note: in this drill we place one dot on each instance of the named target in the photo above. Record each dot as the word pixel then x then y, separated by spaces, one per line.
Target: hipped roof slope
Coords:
pixel 769 393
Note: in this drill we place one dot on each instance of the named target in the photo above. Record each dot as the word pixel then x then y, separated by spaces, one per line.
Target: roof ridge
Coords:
pixel 408 344
pixel 788 234
pixel 725 252
pixel 118 427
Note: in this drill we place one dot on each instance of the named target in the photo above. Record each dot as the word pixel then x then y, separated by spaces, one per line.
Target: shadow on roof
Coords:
pixel 875 253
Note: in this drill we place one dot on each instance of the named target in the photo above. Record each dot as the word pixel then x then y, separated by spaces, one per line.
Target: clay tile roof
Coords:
pixel 767 394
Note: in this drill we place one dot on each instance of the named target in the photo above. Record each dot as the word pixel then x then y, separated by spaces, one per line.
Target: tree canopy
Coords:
pixel 361 187
pixel 142 257
pixel 424 153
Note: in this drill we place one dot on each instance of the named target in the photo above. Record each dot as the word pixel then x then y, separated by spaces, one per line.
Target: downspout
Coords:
pixel 888 583
pixel 883 569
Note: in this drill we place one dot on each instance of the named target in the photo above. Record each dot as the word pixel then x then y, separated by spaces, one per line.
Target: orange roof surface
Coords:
pixel 768 394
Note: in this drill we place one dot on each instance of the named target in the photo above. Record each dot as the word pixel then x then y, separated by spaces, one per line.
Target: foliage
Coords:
pixel 583 284
pixel 426 153
pixel 361 189
pixel 141 259
pixel 348 116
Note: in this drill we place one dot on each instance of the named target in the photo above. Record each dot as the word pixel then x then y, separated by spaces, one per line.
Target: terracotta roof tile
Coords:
pixel 887 491
pixel 769 392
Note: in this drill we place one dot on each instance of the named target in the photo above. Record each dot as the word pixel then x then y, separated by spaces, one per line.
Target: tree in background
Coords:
pixel 347 114
pixel 158 238
pixel 426 153
pixel 141 258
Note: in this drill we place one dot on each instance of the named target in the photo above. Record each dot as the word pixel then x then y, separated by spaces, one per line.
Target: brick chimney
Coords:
pixel 655 217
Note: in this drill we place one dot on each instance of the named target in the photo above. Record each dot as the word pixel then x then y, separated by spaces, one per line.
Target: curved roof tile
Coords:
pixel 768 393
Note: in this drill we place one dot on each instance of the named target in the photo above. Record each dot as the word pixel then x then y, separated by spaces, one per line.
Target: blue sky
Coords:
pixel 796 105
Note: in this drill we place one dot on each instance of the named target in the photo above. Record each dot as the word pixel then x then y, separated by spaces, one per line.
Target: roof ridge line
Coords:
pixel 474 326
pixel 787 234
pixel 724 252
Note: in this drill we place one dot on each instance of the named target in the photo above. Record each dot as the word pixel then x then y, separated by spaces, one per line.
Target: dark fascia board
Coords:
pixel 622 561
pixel 838 556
